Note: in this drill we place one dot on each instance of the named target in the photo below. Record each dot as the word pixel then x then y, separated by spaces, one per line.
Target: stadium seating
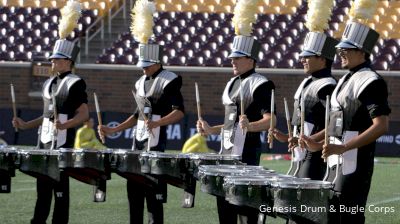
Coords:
pixel 29 32
pixel 194 32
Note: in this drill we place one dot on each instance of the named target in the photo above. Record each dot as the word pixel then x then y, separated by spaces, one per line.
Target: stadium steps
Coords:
pixel 98 45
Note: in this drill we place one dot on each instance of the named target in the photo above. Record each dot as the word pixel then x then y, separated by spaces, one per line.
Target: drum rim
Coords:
pixel 296 184
pixel 213 156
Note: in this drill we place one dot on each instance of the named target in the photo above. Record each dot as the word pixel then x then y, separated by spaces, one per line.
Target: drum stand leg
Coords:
pixel 99 191
pixel 189 193
pixel 5 183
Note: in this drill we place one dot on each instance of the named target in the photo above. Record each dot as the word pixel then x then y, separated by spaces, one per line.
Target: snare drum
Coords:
pixel 212 176
pixel 86 165
pixel 248 190
pixel 309 197
pixel 126 161
pixel 8 157
pixel 173 165
pixel 39 163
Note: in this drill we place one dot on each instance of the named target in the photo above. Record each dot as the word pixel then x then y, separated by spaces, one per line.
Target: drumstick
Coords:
pixel 302 116
pixel 13 103
pixel 272 123
pixel 241 101
pixel 198 101
pixel 148 143
pixel 289 130
pixel 289 126
pixel 96 103
pixel 53 98
pixel 327 104
pixel 141 112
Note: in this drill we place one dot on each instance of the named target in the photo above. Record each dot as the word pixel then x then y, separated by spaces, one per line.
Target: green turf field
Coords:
pixel 17 207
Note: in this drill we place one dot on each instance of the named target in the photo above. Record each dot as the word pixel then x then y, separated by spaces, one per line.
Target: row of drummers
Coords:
pixel 219 175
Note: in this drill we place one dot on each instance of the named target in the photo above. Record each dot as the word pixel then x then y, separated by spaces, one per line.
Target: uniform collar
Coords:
pixel 366 64
pixel 62 75
pixel 247 74
pixel 155 73
pixel 325 72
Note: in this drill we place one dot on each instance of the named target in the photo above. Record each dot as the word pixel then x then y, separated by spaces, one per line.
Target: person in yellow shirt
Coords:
pixel 86 137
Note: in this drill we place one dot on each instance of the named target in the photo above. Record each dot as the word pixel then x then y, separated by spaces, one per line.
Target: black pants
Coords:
pixel 352 194
pixel 312 166
pixel 229 214
pixel 45 190
pixel 155 197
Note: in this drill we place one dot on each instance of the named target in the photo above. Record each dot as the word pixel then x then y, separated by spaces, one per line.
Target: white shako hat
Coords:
pixel 244 45
pixel 64 48
pixel 142 29
pixel 357 34
pixel 317 43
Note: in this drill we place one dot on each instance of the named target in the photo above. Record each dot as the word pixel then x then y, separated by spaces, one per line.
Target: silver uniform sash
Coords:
pixel 232 137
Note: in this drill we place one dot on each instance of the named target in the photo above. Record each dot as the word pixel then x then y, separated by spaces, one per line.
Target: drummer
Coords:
pixel 159 98
pixel 317 58
pixel 72 110
pixel 241 133
pixel 359 116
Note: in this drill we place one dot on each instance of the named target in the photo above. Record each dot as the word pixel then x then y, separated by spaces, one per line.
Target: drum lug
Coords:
pixel 232 190
pixel 331 194
pixel 298 194
pixel 250 191
pixel 203 180
pixel 218 181
pixel 321 193
pixel 173 162
pixel 277 193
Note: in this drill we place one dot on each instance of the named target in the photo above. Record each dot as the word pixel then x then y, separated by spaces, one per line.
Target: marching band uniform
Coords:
pixel 251 91
pixel 359 98
pixel 69 91
pixel 314 89
pixel 70 95
pixel 157 97
pixel 159 103
pixel 256 91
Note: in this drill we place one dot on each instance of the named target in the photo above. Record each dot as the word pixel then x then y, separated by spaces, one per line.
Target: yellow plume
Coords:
pixel 196 143
pixel 318 15
pixel 70 15
pixel 142 20
pixel 244 16
pixel 362 10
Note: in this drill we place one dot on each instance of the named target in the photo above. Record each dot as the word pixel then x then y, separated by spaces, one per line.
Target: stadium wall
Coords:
pixel 113 84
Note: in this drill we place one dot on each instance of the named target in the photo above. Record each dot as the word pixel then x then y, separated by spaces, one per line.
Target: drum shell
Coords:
pixel 126 162
pixel 40 164
pixel 88 166
pixel 285 197
pixel 91 159
pixel 211 177
pixel 212 184
pixel 251 191
pixel 173 165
